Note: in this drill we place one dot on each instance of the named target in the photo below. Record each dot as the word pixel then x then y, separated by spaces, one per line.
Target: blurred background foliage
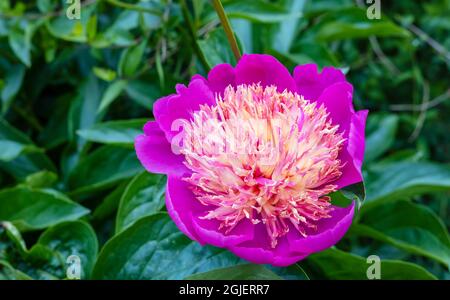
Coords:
pixel 75 93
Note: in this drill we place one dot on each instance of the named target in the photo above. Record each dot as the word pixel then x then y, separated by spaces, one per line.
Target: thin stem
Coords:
pixel 133 7
pixel 227 27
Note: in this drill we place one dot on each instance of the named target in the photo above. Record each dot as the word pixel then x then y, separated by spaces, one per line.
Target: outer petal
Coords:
pixel 254 68
pixel 337 98
pixel 209 232
pixel 311 84
pixel 220 77
pixel 155 154
pixel 353 154
pixel 258 250
pixel 180 106
pixel 329 232
pixel 182 205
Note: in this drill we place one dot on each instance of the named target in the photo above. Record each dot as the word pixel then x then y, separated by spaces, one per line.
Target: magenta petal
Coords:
pixel 353 154
pixel 181 106
pixel 265 69
pixel 258 250
pixel 311 84
pixel 181 205
pixel 329 231
pixel 338 101
pixel 208 230
pixel 154 152
pixel 220 77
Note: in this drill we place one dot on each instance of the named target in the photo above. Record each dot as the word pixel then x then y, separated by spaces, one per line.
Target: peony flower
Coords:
pixel 251 154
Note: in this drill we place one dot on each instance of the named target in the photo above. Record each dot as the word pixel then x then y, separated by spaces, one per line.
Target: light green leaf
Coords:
pixel 114 132
pixel 144 196
pixel 111 93
pixel 131 59
pixel 258 11
pixel 41 179
pixel 381 138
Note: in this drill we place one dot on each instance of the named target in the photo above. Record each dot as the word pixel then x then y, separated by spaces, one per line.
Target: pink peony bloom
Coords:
pixel 251 153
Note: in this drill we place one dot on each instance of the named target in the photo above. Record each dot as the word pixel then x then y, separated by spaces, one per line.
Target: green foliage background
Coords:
pixel 75 93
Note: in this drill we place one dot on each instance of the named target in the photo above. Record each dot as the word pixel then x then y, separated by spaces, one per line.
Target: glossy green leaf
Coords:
pixel 71 238
pixel 241 272
pixel 103 168
pixel 408 226
pixel 399 180
pixel 144 196
pixel 31 209
pixel 114 132
pixel 337 264
pixel 154 248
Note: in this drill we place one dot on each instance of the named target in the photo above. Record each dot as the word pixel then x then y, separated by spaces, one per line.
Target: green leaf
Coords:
pixel 42 179
pixel 114 132
pixel 144 196
pixel 241 272
pixel 71 238
pixel 110 203
pixel 32 209
pixel 20 42
pixel 337 264
pixel 258 11
pixel 213 50
pixel 353 23
pixel 153 248
pixel 104 74
pixel 111 93
pixel 103 168
pixel 131 59
pixel 408 226
pixel 143 93
pixel 382 136
pixel 13 82
pixel 7 272
pixel 11 150
pixel 388 182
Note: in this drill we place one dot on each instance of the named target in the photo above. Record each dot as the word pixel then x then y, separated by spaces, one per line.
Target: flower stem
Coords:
pixel 227 27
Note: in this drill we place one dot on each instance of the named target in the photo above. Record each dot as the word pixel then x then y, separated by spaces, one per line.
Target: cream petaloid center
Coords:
pixel 265 156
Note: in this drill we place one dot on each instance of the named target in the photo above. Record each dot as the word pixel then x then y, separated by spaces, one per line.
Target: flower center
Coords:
pixel 265 156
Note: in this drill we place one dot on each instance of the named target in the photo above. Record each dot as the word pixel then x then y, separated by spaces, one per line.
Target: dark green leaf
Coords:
pixel 337 264
pixel 103 168
pixel 31 209
pixel 153 248
pixel 144 196
pixel 241 272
